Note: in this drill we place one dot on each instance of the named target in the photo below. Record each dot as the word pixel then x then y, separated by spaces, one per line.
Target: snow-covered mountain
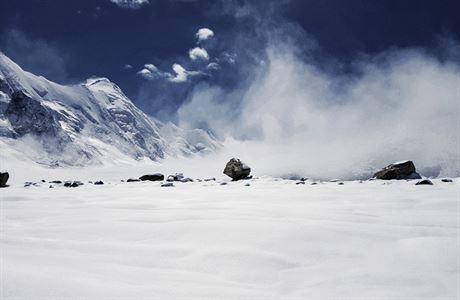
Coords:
pixel 84 123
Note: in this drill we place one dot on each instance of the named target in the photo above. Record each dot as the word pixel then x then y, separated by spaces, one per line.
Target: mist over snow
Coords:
pixel 295 118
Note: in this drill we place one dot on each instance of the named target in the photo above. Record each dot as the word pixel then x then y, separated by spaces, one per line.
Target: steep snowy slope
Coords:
pixel 85 123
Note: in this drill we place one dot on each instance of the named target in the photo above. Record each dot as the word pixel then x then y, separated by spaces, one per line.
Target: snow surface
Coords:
pixel 202 240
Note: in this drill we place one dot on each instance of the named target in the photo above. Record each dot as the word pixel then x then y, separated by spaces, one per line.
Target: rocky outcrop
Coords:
pixel 237 170
pixel 400 170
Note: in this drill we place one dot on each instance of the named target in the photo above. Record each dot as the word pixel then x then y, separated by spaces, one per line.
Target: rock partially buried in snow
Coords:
pixel 167 184
pixel 4 179
pixel 99 182
pixel 236 169
pixel 152 177
pixel 176 177
pixel 424 182
pixel 133 180
pixel 398 170
pixel 446 180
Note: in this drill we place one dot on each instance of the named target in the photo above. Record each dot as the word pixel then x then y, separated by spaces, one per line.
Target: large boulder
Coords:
pixel 236 169
pixel 152 177
pixel 4 179
pixel 399 170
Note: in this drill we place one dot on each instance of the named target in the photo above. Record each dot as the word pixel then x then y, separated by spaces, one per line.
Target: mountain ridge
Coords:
pixel 85 123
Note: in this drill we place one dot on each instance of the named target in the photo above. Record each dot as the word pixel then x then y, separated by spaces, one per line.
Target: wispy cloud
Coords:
pixel 131 4
pixel 180 74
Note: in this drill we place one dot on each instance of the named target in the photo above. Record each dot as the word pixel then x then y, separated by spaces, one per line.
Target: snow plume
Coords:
pixel 296 118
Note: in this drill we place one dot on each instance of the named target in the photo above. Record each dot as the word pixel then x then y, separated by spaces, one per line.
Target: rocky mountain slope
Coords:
pixel 84 123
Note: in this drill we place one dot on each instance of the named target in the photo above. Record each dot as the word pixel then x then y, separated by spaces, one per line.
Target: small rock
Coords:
pixel 341 183
pixel 424 182
pixel 247 184
pixel 43 180
pixel 167 184
pixel 236 169
pixel 99 182
pixel 4 179
pixel 210 179
pixel 223 183
pixel 300 182
pixel 446 180
pixel 51 187
pixel 152 177
pixel 133 180
pixel 56 181
pixel 72 183
pixel 314 183
pixel 176 177
pixel 186 179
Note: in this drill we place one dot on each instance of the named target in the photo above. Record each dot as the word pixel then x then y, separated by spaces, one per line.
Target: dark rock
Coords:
pixel 72 183
pixel 4 179
pixel 43 180
pixel 99 182
pixel 223 183
pixel 341 183
pixel 167 184
pixel 300 182
pixel 133 180
pixel 314 183
pixel 424 182
pixel 28 183
pixel 56 181
pixel 236 169
pixel 210 179
pixel 152 177
pixel 247 184
pixel 51 187
pixel 446 180
pixel 400 170
pixel 186 179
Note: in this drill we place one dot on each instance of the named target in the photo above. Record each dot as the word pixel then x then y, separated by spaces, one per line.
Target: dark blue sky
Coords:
pixel 68 41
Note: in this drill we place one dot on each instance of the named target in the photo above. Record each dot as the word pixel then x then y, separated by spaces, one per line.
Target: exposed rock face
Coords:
pixel 152 177
pixel 236 169
pixel 4 179
pixel 99 182
pixel 399 170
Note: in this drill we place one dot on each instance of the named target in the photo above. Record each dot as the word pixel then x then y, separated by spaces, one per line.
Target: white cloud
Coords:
pixel 133 4
pixel 198 53
pixel 181 74
pixel 128 66
pixel 150 71
pixel 204 33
